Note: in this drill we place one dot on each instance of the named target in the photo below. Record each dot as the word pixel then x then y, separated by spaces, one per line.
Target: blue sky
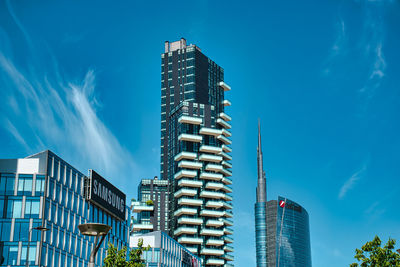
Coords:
pixel 82 78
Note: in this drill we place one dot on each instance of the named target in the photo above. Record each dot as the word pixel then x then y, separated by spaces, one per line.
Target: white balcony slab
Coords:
pixel 210 131
pixel 210 158
pixel 188 211
pixel 228 231
pixel 225 116
pixel 215 186
pixel 228 214
pixel 228 248
pixel 227 222
pixel 190 164
pixel 138 227
pixel 192 249
pixel 226 149
pixel 185 192
pixel 190 120
pixel 224 139
pixel 213 167
pixel 226 133
pixel 215 242
pixel 189 220
pixel 185 230
pixel 211 251
pixel 225 156
pixel 210 149
pixel 228 206
pixel 190 138
pixel 211 176
pixel 224 123
pixel 228 257
pixel 215 262
pixel 227 103
pixel 214 223
pixel 228 239
pixel 190 240
pixel 185 155
pixel 214 204
pixel 226 180
pixel 227 189
pixel 185 173
pixel 139 208
pixel 211 213
pixel 224 86
pixel 226 172
pixel 190 202
pixel 226 164
pixel 211 232
pixel 190 183
pixel 212 194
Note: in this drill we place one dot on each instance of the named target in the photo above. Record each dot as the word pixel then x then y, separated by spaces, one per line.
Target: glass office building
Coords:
pixel 195 152
pixel 288 234
pixel 165 251
pixel 44 190
pixel 151 216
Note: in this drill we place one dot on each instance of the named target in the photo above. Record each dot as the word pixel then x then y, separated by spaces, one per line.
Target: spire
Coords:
pixel 261 181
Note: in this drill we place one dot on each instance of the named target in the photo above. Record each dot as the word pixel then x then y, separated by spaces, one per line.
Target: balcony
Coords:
pixel 225 116
pixel 226 172
pixel 140 226
pixel 214 204
pixel 227 197
pixel 190 240
pixel 215 242
pixel 227 189
pixel 228 248
pixel 225 156
pixel 190 164
pixel 185 173
pixel 190 220
pixel 210 149
pixel 212 251
pixel 213 167
pixel 226 103
pixel 224 139
pixel 190 183
pixel 228 231
pixel 211 213
pixel 224 86
pixel 185 155
pixel 190 202
pixel 211 232
pixel 227 222
pixel 214 223
pixel 226 133
pixel 142 207
pixel 211 158
pixel 190 120
pixel 215 186
pixel 224 123
pixel 192 249
pixel 185 192
pixel 190 138
pixel 228 257
pixel 227 206
pixel 210 131
pixel 226 164
pixel 228 265
pixel 185 230
pixel 211 176
pixel 228 239
pixel 226 149
pixel 226 180
pixel 212 194
pixel 188 211
pixel 228 214
pixel 216 262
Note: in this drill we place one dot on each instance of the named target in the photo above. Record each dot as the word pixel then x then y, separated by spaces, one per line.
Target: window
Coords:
pixel 32 208
pixel 39 188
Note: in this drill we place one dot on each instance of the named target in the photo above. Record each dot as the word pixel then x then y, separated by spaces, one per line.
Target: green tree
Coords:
pixel 373 255
pixel 149 202
pixel 117 258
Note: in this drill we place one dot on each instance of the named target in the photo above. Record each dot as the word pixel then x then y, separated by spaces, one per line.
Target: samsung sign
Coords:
pixel 105 195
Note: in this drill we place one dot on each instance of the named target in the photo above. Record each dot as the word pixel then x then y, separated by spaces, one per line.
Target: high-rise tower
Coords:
pixel 195 147
pixel 261 209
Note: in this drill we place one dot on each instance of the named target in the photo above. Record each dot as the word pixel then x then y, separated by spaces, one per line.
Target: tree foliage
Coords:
pixel 117 258
pixel 373 255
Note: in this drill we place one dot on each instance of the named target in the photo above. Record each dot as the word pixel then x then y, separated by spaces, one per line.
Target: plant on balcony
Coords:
pixel 149 202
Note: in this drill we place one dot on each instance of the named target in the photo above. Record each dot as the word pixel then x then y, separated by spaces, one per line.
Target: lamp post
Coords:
pixel 97 230
pixel 40 228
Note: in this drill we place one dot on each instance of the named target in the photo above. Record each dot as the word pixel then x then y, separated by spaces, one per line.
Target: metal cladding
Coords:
pixel 261 209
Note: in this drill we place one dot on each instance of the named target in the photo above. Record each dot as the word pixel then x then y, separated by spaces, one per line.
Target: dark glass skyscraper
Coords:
pixel 195 149
pixel 288 234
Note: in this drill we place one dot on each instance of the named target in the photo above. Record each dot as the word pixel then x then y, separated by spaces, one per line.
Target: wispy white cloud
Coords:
pixel 338 46
pixel 351 182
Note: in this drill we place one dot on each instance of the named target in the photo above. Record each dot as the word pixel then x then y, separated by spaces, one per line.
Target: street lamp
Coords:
pixel 39 228
pixel 97 230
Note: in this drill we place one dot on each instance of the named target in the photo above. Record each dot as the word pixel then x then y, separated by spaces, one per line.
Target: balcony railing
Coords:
pixel 188 211
pixel 210 149
pixel 190 183
pixel 185 155
pixel 215 186
pixel 185 230
pixel 214 223
pixel 211 232
pixel 190 164
pixel 190 240
pixel 214 204
pixel 190 120
pixel 185 192
pixel 211 213
pixel 226 103
pixel 224 123
pixel 212 251
pixel 190 202
pixel 215 242
pixel 212 194
pixel 225 116
pixel 190 138
pixel 211 158
pixel 210 131
pixel 190 220
pixel 185 173
pixel 211 176
pixel 213 167
pixel 224 86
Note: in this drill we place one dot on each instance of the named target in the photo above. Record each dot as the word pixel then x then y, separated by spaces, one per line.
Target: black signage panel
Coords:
pixel 105 195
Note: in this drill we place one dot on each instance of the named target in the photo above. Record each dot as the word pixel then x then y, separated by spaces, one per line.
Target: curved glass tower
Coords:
pixel 261 209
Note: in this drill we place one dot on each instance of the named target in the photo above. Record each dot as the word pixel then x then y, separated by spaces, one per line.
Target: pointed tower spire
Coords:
pixel 261 182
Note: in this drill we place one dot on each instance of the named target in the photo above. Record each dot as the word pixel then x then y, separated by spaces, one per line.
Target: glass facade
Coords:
pixel 289 246
pixel 47 191
pixel 261 233
pixel 166 252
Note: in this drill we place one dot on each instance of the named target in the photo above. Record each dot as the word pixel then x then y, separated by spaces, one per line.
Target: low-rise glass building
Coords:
pixel 44 190
pixel 165 251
